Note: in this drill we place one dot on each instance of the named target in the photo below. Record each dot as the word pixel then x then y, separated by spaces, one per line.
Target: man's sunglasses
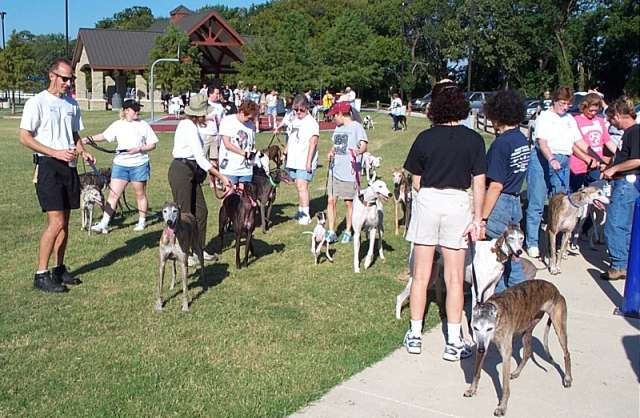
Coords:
pixel 299 109
pixel 65 78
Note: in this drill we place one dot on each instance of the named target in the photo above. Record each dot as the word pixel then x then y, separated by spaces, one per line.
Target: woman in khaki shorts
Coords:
pixel 443 162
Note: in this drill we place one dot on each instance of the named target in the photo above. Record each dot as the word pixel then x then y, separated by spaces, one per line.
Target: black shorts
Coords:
pixel 58 186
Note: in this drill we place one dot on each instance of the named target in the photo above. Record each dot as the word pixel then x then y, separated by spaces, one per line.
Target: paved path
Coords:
pixel 605 352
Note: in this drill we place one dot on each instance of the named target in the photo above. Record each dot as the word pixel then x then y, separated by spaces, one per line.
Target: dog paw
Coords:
pixel 469 393
pixel 567 381
pixel 381 256
pixel 499 412
pixel 159 306
pixel 514 375
pixel 367 262
pixel 356 270
pixel 185 306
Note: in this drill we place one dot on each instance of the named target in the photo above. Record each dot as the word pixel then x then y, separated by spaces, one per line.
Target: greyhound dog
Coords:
pixel 488 260
pixel 264 188
pixel 179 238
pixel 367 215
pixel 564 211
pixel 516 311
pixel 274 153
pixel 238 210
pixel 318 238
pixel 90 196
pixel 369 165
pixel 402 196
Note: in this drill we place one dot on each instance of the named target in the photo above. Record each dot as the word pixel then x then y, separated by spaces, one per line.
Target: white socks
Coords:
pixel 142 221
pixel 416 327
pixel 453 333
pixel 305 210
pixel 105 220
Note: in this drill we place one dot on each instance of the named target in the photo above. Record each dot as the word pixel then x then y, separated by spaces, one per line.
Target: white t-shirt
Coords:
pixel 215 110
pixel 272 100
pixel 560 132
pixel 136 133
pixel 188 144
pixel 242 136
pixel 300 132
pixel 52 120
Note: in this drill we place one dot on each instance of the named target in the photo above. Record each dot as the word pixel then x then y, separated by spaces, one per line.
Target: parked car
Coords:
pixel 420 104
pixel 530 107
pixel 578 96
pixel 477 98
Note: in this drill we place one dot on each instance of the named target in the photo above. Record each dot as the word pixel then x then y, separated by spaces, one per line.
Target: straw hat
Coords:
pixel 197 106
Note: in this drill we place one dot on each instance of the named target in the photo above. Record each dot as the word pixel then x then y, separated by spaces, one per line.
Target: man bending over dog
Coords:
pixel 507 160
pixel 50 125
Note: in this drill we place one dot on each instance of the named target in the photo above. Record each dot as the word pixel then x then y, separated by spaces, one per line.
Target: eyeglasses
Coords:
pixel 64 78
pixel 299 109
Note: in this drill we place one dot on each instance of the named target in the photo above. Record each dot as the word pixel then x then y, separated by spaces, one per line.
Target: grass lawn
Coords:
pixel 259 342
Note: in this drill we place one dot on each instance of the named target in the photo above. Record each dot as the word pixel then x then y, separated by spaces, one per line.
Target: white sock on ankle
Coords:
pixel 105 219
pixel 453 333
pixel 416 327
pixel 305 210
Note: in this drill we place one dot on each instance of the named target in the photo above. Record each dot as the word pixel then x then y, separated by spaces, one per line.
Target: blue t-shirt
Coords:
pixel 508 159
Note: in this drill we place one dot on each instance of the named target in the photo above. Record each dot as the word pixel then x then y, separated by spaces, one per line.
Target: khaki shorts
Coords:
pixel 440 217
pixel 211 146
pixel 345 190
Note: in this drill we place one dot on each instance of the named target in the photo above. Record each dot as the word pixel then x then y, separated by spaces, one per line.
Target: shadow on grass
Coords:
pixel 131 247
pixel 277 215
pixel 261 248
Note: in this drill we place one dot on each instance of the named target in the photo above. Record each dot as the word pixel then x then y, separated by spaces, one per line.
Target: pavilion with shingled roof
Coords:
pixel 109 56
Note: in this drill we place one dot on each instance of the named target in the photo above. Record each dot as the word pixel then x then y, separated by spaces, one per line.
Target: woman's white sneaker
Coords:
pixel 455 352
pixel 413 343
pixel 100 228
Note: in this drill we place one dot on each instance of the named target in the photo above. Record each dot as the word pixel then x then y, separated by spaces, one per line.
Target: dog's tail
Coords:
pixel 546 339
pixel 307 232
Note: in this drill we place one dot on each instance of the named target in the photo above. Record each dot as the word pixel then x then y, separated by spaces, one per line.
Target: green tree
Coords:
pixel 15 65
pixel 175 77
pixel 131 18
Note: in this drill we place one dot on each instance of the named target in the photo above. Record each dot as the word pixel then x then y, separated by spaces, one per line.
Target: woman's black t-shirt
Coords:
pixel 447 157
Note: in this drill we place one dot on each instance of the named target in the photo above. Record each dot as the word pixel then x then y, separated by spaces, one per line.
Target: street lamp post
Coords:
pixel 2 14
pixel 153 81
pixel 66 27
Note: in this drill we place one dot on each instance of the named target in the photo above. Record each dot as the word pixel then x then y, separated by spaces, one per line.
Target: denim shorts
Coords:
pixel 138 173
pixel 272 110
pixel 239 179
pixel 297 174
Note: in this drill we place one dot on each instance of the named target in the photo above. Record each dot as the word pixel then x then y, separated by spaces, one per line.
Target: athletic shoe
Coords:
pixel 298 215
pixel 304 219
pixel 614 274
pixel 455 352
pixel 331 237
pixel 412 342
pixel 100 228
pixel 533 252
pixel 139 226
pixel 345 238
pixel 193 261
pixel 44 282
pixel 209 257
pixel 60 275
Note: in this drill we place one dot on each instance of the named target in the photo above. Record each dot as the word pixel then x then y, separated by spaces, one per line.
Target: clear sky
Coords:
pixel 47 16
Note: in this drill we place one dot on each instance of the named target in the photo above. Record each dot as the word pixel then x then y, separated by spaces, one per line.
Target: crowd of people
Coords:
pixel 461 193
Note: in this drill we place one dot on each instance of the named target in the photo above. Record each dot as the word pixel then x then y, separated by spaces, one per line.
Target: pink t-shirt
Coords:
pixel 595 134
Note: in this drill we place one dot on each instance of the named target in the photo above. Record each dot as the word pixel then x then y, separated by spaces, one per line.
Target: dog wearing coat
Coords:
pixel 517 311
pixel 367 216
pixel 179 238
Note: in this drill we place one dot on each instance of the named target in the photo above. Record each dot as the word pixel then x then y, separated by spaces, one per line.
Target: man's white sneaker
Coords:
pixel 304 220
pixel 413 343
pixel 455 352
pixel 99 227
pixel 533 252
pixel 209 257
pixel 193 261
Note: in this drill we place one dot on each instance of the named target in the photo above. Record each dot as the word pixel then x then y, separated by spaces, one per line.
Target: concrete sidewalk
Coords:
pixel 605 354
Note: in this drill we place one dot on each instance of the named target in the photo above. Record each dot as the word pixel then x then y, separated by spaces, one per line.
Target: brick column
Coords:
pixel 97 91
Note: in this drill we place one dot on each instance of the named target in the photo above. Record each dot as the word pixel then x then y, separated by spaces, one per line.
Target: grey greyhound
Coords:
pixel 179 238
pixel 516 311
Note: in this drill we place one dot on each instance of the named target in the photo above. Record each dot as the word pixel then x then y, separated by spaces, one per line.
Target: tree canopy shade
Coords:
pixel 132 18
pixel 15 64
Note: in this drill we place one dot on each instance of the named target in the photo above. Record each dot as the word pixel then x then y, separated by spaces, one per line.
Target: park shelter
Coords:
pixel 104 59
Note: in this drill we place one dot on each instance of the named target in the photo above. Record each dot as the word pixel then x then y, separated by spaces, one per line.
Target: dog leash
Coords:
pixel 474 280
pixel 92 142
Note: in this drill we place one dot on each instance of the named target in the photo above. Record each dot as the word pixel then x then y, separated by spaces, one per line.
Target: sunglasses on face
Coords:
pixel 299 109
pixel 65 78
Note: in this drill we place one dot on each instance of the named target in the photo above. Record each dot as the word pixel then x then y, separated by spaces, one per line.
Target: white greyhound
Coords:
pixel 368 215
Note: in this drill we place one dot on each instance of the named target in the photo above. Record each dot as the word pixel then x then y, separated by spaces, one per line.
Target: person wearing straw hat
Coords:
pixel 190 167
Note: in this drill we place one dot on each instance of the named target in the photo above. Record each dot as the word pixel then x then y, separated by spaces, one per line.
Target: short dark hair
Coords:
pixel 563 93
pixel 57 62
pixel 248 107
pixel 505 108
pixel 448 103
pixel 211 88
pixel 624 106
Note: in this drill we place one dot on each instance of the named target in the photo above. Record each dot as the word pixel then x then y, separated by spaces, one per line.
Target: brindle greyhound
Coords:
pixel 179 238
pixel 402 197
pixel 238 210
pixel 516 311
pixel 564 211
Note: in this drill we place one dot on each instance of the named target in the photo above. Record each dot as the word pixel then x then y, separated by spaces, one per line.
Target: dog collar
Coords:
pixel 572 203
pixel 365 203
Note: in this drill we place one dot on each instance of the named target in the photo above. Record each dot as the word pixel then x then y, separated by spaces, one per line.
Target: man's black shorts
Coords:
pixel 58 186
